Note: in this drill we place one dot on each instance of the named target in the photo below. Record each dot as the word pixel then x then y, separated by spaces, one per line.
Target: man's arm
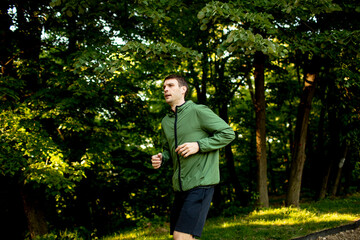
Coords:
pixel 220 133
pixel 158 159
pixel 165 145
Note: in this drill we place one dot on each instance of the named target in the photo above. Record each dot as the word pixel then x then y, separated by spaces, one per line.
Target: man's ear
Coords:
pixel 183 89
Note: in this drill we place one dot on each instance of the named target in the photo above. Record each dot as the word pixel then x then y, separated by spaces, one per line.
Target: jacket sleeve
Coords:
pixel 165 145
pixel 220 133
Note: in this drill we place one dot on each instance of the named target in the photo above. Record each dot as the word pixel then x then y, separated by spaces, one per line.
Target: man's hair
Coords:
pixel 181 80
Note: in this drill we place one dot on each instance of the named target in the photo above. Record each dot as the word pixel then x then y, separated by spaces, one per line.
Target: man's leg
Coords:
pixel 188 218
pixel 182 236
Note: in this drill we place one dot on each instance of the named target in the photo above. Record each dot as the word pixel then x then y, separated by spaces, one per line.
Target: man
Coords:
pixel 192 137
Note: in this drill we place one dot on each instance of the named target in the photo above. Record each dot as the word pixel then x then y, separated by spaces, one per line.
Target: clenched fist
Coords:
pixel 156 160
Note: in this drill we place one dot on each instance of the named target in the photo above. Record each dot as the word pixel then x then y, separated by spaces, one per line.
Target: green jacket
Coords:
pixel 194 123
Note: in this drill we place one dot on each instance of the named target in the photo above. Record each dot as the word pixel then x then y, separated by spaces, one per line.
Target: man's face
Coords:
pixel 173 93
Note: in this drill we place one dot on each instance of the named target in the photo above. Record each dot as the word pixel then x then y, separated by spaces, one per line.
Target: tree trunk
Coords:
pixel 34 212
pixel 325 180
pixel 12 214
pixel 217 201
pixel 353 155
pixel 28 40
pixel 338 174
pixel 287 156
pixel 320 156
pixel 200 84
pixel 259 63
pixel 204 78
pixel 6 41
pixel 241 196
pixel 274 183
pixel 298 155
pixel 334 133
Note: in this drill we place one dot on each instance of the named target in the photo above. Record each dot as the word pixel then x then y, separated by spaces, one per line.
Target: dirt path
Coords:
pixel 353 234
pixel 346 232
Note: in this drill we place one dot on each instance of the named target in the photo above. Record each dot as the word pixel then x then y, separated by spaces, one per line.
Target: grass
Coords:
pixel 270 223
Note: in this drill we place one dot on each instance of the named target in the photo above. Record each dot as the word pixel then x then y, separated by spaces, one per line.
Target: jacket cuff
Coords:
pixel 165 157
pixel 199 146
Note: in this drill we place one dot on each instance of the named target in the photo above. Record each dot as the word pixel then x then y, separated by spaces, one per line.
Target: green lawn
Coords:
pixel 269 223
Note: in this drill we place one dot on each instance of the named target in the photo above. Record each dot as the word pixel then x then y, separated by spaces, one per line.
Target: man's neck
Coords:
pixel 173 106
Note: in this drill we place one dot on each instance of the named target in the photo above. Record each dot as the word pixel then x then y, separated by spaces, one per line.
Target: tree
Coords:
pixel 298 155
pixel 63 111
pixel 248 22
pixel 259 63
pixel 310 46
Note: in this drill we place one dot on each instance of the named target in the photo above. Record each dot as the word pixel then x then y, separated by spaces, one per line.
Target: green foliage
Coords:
pixel 356 172
pixel 167 50
pixel 77 234
pixel 28 149
pixel 249 29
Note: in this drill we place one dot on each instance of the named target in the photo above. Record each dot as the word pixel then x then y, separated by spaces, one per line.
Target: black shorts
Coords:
pixel 190 209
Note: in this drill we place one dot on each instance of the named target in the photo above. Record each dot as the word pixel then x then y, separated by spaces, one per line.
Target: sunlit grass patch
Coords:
pixel 149 232
pixel 294 216
pixel 285 222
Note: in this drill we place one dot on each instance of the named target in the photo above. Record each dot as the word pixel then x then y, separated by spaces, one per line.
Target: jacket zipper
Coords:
pixel 176 145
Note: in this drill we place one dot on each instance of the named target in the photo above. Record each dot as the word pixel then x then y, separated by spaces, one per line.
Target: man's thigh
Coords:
pixel 190 210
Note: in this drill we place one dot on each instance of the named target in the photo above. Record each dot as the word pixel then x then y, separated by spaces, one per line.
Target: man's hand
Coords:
pixel 187 149
pixel 156 160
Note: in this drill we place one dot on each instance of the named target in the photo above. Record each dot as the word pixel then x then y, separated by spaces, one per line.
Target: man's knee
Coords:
pixel 182 236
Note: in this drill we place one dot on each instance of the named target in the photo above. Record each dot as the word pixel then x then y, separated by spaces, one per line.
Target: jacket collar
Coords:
pixel 180 108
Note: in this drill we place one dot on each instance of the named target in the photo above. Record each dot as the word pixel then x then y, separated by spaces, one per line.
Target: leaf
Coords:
pixel 230 39
pixel 231 48
pixel 69 13
pixel 201 15
pixel 203 27
pixel 271 48
pixel 125 47
pixel 205 21
pixel 251 37
pixel 219 52
pixel 112 69
pixel 81 10
pixel 55 3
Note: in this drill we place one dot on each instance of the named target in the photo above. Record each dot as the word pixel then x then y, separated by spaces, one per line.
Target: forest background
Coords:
pixel 81 104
